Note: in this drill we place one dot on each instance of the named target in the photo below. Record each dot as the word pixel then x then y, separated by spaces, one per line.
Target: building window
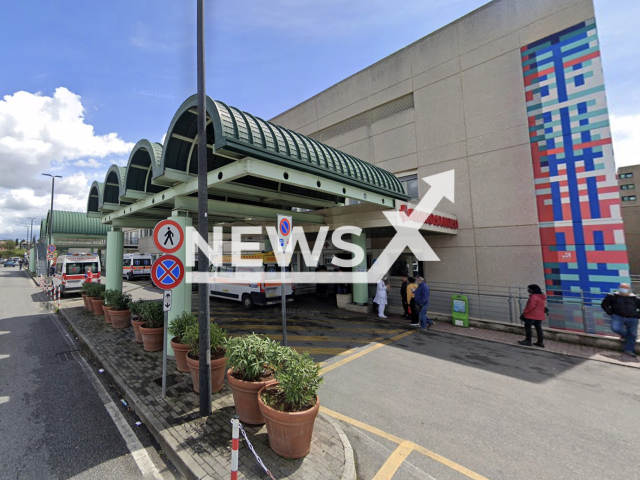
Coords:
pixel 410 184
pixel 626 175
pixel 629 186
pixel 630 198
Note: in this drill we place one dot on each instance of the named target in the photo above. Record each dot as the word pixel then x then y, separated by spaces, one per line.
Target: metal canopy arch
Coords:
pixel 143 164
pixel 93 202
pixel 113 187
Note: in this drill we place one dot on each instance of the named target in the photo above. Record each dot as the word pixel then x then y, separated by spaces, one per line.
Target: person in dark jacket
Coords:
pixel 403 295
pixel 533 315
pixel 624 309
pixel 422 303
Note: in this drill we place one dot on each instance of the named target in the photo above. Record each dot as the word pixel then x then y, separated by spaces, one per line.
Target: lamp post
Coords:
pixel 203 223
pixel 53 183
pixel 30 232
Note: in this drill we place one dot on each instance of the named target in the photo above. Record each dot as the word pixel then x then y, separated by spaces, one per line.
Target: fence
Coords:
pixel 575 311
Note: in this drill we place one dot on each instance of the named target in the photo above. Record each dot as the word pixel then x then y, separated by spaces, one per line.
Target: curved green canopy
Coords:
pixel 76 223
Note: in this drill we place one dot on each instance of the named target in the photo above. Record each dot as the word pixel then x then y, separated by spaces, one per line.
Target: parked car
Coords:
pixel 9 263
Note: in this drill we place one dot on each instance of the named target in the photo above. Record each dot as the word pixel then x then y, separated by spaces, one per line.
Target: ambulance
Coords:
pixel 72 270
pixel 136 265
pixel 261 287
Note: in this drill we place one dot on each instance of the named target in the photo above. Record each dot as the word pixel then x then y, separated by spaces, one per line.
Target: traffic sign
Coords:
pixel 51 248
pixel 50 256
pixel 166 303
pixel 168 236
pixel 285 227
pixel 167 272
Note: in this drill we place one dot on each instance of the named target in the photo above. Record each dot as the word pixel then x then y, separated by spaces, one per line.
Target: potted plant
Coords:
pixel 136 309
pixel 87 296
pixel 152 330
pixel 106 308
pixel 217 337
pixel 177 329
pixel 291 405
pixel 97 292
pixel 119 313
pixel 249 358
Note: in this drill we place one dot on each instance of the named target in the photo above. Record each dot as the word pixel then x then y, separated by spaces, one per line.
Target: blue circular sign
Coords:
pixel 285 228
pixel 167 272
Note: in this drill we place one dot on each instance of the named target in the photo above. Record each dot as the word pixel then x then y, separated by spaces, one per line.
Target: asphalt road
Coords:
pixel 59 418
pixel 502 411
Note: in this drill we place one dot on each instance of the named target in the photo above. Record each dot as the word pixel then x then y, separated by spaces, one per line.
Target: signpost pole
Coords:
pixel 166 307
pixel 284 301
pixel 203 224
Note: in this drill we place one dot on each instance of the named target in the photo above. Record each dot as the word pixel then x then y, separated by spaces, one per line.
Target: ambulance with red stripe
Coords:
pixel 136 265
pixel 261 287
pixel 75 269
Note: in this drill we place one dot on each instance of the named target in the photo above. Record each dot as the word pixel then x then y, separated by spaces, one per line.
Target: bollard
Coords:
pixel 235 444
pixel 58 297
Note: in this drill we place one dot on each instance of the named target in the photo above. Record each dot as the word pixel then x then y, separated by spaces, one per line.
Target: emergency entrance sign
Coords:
pixel 285 226
pixel 168 236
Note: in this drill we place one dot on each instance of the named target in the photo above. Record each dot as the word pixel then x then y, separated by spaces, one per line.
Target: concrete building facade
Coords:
pixel 628 180
pixel 511 97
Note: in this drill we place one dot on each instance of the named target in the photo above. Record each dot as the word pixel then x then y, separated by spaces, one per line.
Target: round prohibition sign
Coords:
pixel 285 227
pixel 168 236
pixel 167 272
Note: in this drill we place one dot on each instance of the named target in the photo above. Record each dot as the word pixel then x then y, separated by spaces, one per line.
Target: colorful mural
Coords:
pixel 576 187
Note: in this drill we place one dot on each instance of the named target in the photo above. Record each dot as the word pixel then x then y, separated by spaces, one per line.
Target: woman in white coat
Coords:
pixel 381 297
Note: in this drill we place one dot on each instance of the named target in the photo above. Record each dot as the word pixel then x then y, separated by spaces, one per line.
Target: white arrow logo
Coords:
pixel 408 228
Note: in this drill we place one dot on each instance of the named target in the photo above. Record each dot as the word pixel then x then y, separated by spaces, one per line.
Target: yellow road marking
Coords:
pixel 321 351
pixel 376 431
pixel 294 328
pixel 390 467
pixel 304 338
pixel 365 351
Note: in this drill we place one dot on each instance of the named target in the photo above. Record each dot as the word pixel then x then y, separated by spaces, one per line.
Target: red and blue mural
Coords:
pixel 577 192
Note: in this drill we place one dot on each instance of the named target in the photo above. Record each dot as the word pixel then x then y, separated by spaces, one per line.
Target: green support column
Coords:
pixel 115 250
pixel 32 260
pixel 361 290
pixel 181 296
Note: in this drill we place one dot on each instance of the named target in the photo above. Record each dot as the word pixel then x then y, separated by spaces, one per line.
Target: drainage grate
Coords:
pixel 64 356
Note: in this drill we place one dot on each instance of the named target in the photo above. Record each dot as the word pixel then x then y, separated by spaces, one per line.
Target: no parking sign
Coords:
pixel 285 226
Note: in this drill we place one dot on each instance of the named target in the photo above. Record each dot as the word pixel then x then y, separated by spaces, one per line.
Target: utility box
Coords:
pixel 460 310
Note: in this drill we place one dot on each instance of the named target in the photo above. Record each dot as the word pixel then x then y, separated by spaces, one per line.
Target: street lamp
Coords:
pixel 53 183
pixel 31 232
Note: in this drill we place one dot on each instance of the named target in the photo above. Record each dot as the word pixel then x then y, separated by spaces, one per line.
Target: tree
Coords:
pixel 17 243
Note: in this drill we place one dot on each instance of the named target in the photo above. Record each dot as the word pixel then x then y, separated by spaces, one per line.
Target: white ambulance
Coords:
pixel 136 265
pixel 72 270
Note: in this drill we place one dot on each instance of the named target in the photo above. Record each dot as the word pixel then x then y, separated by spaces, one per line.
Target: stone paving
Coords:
pixel 199 447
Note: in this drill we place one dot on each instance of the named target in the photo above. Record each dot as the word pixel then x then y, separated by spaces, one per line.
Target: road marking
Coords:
pixel 138 451
pixel 321 351
pixel 305 338
pixel 390 467
pixel 365 351
pixel 388 436
pixel 256 326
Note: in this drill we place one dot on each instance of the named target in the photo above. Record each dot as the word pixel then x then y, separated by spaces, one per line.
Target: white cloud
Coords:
pixel 48 134
pixel 626 139
pixel 91 163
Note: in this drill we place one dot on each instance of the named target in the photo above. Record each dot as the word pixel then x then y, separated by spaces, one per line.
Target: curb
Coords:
pixel 185 464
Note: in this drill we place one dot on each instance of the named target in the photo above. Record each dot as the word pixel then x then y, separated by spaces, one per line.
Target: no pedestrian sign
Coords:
pixel 167 272
pixel 168 236
pixel 285 227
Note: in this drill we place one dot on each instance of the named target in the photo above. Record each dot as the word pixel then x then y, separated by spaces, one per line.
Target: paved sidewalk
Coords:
pixel 200 448
pixel 581 351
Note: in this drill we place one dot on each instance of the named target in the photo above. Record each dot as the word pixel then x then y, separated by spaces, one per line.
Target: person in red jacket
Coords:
pixel 533 315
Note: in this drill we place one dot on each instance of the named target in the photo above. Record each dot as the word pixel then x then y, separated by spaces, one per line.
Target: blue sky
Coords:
pixel 129 65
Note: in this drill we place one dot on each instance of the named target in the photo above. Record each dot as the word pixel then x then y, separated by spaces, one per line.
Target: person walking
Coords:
pixel 533 315
pixel 403 296
pixel 411 296
pixel 422 303
pixel 381 297
pixel 20 264
pixel 624 309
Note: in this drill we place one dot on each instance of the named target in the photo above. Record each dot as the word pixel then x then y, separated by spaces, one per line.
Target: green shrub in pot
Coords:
pixel 217 340
pixel 119 300
pixel 152 314
pixel 250 356
pixel 298 379
pixel 178 326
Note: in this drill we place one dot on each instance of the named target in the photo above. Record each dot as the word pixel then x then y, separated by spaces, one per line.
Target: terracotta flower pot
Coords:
pixel 245 398
pixel 152 338
pixel 120 318
pixel 289 432
pixel 98 304
pixel 217 373
pixel 180 351
pixel 89 303
pixel 136 329
pixel 107 316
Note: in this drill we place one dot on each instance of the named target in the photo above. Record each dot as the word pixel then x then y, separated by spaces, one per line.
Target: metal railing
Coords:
pixel 575 311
